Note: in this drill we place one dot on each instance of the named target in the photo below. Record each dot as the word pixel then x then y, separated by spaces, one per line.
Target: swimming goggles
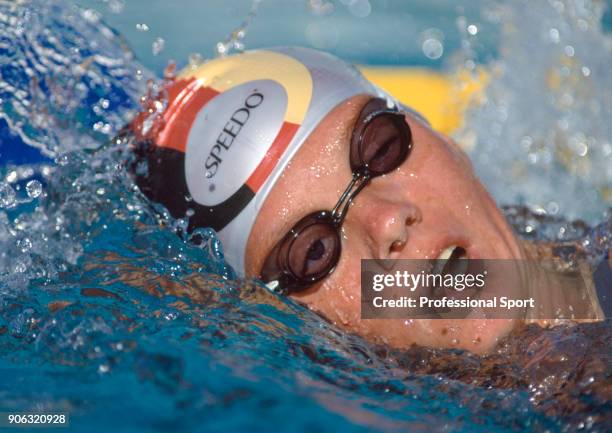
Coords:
pixel 381 141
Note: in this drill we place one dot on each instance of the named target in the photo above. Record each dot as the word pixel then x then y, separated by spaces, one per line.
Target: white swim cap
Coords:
pixel 234 123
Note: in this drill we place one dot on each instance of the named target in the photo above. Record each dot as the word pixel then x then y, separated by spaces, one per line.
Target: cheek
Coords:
pixel 447 169
pixel 440 180
pixel 338 298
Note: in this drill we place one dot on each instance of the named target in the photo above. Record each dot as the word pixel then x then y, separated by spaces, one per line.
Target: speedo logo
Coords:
pixel 230 133
pixel 229 138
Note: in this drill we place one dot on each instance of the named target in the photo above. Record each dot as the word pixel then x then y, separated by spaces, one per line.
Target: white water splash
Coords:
pixel 543 134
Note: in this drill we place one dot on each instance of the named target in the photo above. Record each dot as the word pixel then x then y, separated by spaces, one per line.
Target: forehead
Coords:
pixel 313 180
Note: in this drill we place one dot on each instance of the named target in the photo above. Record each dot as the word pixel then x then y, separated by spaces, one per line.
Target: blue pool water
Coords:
pixel 110 316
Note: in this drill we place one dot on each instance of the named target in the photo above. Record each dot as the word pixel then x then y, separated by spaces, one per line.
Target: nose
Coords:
pixel 384 221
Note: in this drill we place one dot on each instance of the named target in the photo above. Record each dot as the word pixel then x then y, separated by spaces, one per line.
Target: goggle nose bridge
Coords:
pixel 358 182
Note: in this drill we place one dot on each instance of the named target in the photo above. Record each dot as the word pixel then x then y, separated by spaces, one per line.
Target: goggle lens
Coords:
pixel 314 252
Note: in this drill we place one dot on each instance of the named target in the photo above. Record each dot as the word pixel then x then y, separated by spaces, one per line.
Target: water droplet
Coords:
pixel 116 6
pixel 11 177
pixel 195 59
pixel 34 188
pixel 221 48
pixel 25 172
pixel 91 16
pixel 432 45
pixel 62 160
pixel 7 196
pixel 432 48
pixel 142 27
pixel 157 46
pixel 554 36
pixel 472 29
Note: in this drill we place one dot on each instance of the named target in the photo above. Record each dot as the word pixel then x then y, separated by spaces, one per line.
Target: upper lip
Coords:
pixel 441 245
pixel 446 243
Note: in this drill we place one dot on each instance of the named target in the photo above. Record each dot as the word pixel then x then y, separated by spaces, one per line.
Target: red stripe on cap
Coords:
pixel 274 153
pixel 181 114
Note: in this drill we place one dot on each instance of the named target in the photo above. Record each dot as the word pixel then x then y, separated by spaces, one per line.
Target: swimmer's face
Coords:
pixel 433 201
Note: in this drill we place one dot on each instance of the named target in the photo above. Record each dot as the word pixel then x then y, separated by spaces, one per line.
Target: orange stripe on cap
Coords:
pixel 182 113
pixel 273 155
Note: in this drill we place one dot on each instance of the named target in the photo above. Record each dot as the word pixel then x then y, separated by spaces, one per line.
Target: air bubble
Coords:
pixel 34 188
pixel 20 267
pixel 582 149
pixel 553 208
pixel 24 245
pixel 432 48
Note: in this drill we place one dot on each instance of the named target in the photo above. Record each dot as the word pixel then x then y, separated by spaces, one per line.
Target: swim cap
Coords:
pixel 230 127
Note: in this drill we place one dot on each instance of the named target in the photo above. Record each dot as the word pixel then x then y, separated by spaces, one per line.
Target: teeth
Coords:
pixel 442 259
pixel 445 255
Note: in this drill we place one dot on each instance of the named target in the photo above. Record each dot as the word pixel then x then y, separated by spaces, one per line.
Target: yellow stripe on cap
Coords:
pixel 224 73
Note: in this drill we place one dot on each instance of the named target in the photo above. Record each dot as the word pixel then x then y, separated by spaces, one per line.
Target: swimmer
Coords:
pixel 303 167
